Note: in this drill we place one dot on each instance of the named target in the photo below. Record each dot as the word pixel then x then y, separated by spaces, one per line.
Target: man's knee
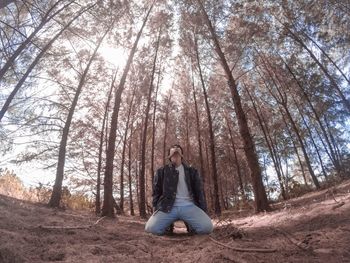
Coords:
pixel 205 228
pixel 153 229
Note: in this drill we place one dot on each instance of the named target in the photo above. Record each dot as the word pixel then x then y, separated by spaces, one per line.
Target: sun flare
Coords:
pixel 116 56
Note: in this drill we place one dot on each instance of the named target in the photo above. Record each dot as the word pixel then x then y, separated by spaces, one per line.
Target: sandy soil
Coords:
pixel 312 228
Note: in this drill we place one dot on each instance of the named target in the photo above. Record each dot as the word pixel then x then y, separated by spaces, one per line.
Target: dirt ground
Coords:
pixel 312 228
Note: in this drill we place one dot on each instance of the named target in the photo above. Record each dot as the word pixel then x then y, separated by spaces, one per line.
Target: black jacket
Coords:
pixel 165 187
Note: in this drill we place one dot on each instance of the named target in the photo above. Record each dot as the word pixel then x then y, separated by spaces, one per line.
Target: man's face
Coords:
pixel 175 155
pixel 175 158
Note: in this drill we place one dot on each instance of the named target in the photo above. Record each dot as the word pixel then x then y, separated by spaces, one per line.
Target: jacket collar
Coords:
pixel 170 165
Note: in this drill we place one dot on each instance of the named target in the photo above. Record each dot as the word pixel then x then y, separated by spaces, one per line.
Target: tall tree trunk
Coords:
pixel 299 159
pixel 336 149
pixel 311 138
pixel 100 149
pixel 210 178
pixel 331 154
pixel 57 188
pixel 34 63
pixel 303 148
pixel 142 204
pixel 269 144
pixel 132 213
pixel 107 209
pixel 211 136
pixel 238 168
pixel 154 125
pixel 261 202
pixel 199 137
pixel 282 101
pixel 121 204
pixel 166 122
pixel 46 18
pixel 188 149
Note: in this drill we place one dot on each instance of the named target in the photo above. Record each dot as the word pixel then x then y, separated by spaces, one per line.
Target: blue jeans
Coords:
pixel 198 220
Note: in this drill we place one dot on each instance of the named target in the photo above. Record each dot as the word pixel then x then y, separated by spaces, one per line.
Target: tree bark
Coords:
pixel 107 209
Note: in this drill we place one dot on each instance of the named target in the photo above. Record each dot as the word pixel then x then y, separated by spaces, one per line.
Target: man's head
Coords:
pixel 175 154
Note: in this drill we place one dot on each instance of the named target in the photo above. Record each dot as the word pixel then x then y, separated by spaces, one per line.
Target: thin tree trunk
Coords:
pixel 33 64
pixel 271 148
pixel 57 188
pixel 261 202
pixel 166 121
pixel 199 137
pixel 238 168
pixel 121 205
pixel 210 178
pixel 107 209
pixel 312 139
pixel 188 153
pixel 211 136
pixel 100 149
pixel 303 148
pixel 332 154
pixel 336 149
pixel 132 213
pixel 144 136
pixel 154 125
pixel 283 102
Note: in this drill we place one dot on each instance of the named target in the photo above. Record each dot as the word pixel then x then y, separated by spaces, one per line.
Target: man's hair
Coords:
pixel 175 145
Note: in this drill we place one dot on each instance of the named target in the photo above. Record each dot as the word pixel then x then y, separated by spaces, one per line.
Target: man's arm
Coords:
pixel 157 187
pixel 199 191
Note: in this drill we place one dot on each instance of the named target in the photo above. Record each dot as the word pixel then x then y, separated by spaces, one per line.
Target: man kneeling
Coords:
pixel 178 195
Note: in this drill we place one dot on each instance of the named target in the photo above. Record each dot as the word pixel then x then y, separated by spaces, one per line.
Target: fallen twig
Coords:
pixel 174 238
pixel 292 239
pixel 72 227
pixel 338 205
pixel 260 250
